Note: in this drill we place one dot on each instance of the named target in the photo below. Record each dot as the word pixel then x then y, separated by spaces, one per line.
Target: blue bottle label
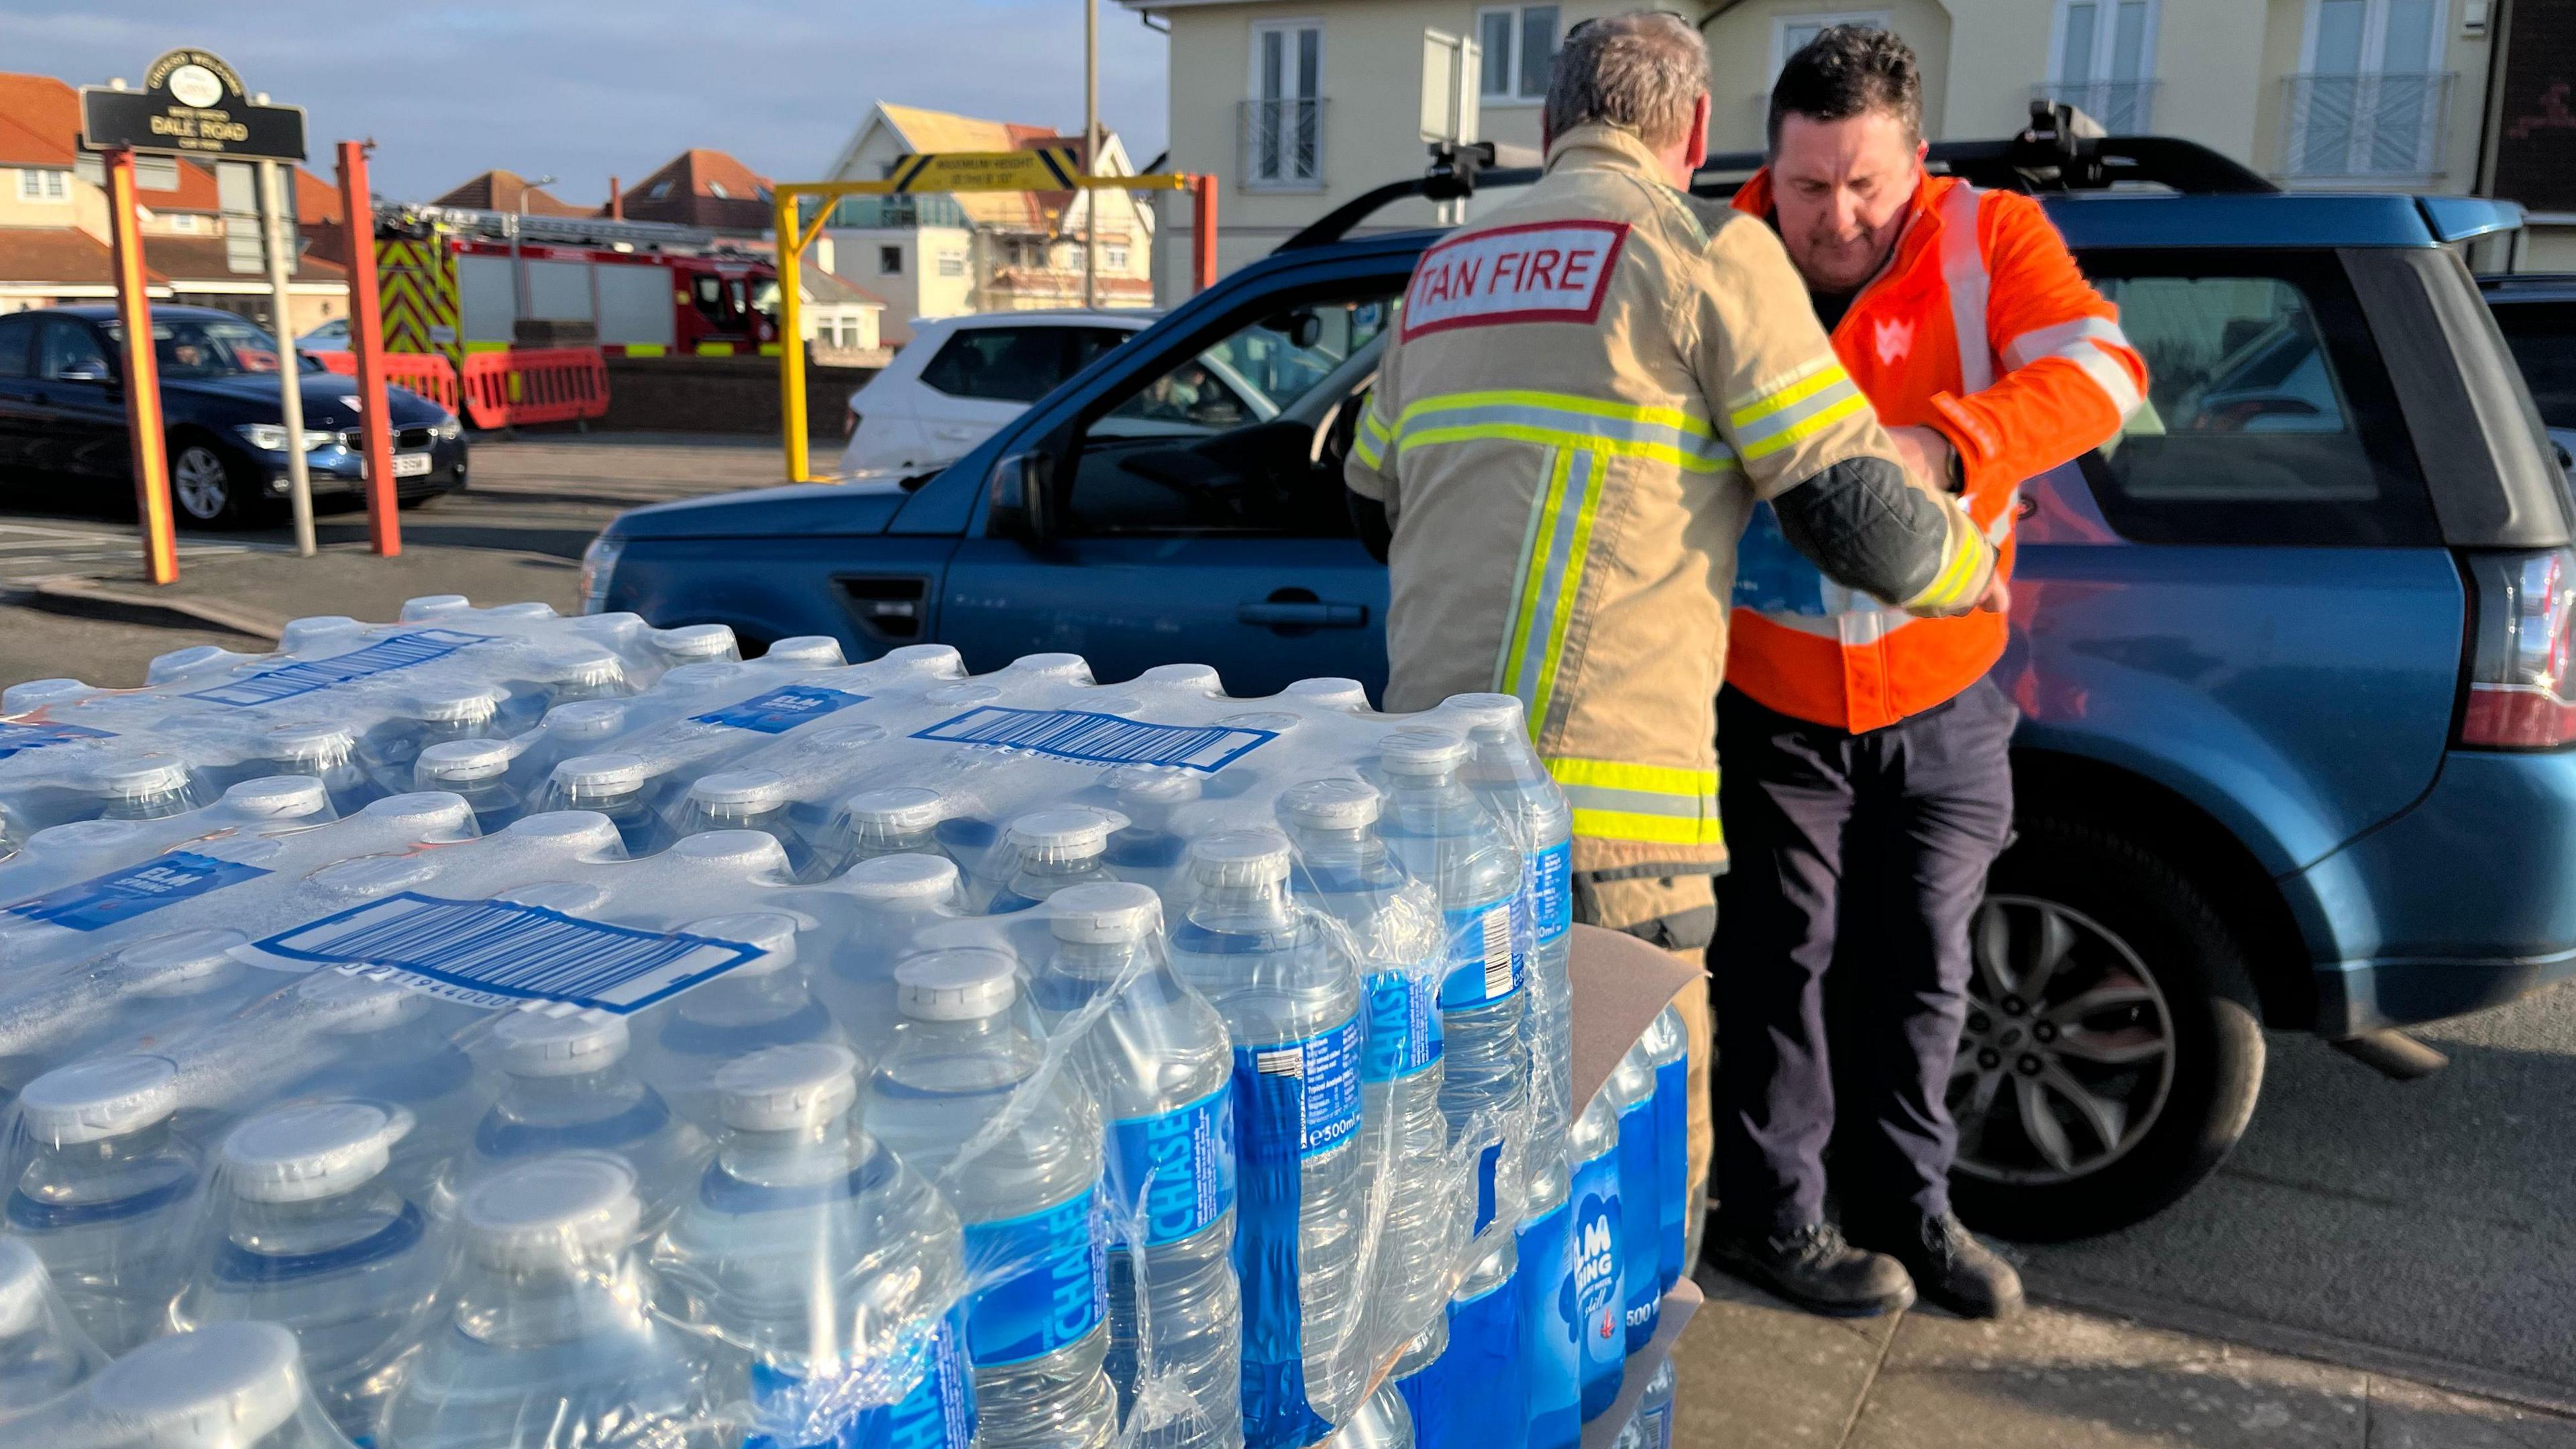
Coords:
pixel 781 709
pixel 1292 1101
pixel 1403 1026
pixel 1484 958
pixel 1470 1396
pixel 1597 1307
pixel 402 651
pixel 1551 891
pixel 1310 1088
pixel 1045 1282
pixel 1549 1356
pixel 1672 1168
pixel 1489 1169
pixel 1640 1222
pixel 17 739
pixel 121 895
pixel 1179 1165
pixel 938 1413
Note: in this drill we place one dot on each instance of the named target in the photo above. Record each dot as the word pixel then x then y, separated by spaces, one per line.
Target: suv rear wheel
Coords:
pixel 2113 1049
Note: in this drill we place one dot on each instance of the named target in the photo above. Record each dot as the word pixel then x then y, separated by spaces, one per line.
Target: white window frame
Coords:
pixel 1510 60
pixel 44 184
pixel 2105 43
pixel 1884 20
pixel 1288 26
pixel 951 264
pixel 1114 255
pixel 2374 40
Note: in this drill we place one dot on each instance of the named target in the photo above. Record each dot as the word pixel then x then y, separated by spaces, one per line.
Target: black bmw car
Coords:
pixel 62 411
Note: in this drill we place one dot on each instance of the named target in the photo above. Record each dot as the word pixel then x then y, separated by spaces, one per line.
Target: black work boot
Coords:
pixel 1814 1268
pixel 1951 1267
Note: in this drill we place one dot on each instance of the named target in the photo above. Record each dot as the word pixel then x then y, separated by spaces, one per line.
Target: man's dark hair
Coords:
pixel 1845 71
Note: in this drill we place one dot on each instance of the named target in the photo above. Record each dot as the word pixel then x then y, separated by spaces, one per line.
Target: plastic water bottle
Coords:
pixel 1147 850
pixel 151 786
pixel 434 717
pixel 873 824
pixel 694 644
pixel 761 1003
pixel 1679 1201
pixel 326 752
pixel 1345 871
pixel 892 897
pixel 107 1192
pixel 1551 1361
pixel 615 786
pixel 384 1042
pixel 1049 850
pixel 832 1273
pixel 1652 1425
pixel 1507 775
pixel 308 1232
pixel 1027 1189
pixel 1469 1394
pixel 568 731
pixel 1631 1094
pixel 224 1386
pixel 1383 1422
pixel 479 772
pixel 1154 1055
pixel 1593 1306
pixel 746 800
pixel 566 1086
pixel 155 986
pixel 551 1339
pixel 1290 1003
pixel 41 1354
pixel 1442 835
pixel 570 671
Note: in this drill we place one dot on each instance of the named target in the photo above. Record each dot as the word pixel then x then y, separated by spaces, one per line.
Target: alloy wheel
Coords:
pixel 199 481
pixel 2067 1058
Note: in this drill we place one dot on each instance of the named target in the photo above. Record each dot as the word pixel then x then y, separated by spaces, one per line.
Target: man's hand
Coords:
pixel 1925 454
pixel 1997 599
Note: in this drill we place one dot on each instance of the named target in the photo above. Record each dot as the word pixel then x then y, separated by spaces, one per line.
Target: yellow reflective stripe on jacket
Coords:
pixel 1370 446
pixel 1967 551
pixel 1553 556
pixel 1658 804
pixel 1820 396
pixel 1566 420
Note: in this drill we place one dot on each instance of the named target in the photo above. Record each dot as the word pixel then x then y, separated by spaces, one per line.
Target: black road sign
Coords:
pixel 191 104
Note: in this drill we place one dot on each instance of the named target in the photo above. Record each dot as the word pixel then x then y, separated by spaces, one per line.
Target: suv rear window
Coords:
pixel 2269 418
pixel 2543 338
pixel 1003 364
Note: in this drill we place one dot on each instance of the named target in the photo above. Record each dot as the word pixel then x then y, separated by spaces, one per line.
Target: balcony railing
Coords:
pixel 2125 108
pixel 1283 145
pixel 2385 123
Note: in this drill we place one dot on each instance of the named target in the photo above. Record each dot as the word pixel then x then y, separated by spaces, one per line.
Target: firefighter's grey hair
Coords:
pixel 1642 71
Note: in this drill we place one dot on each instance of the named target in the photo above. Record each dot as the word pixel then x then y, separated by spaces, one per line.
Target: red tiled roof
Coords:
pixel 51 254
pixel 702 188
pixel 39 121
pixel 187 258
pixel 505 191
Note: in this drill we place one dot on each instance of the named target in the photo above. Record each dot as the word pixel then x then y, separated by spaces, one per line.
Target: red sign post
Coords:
pixel 142 375
pixel 367 342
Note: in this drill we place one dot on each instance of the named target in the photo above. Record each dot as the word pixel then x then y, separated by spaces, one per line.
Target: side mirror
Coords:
pixel 1022 499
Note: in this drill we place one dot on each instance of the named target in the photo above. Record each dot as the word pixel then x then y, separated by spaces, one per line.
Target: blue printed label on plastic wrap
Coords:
pixel 781 709
pixel 1489 1170
pixel 1180 1164
pixel 1672 1169
pixel 1293 1101
pixel 1484 960
pixel 1596 1306
pixel 1403 1026
pixel 122 895
pixel 1045 1280
pixel 1549 1356
pixel 402 651
pixel 938 1412
pixel 1640 1222
pixel 17 739
pixel 1101 739
pixel 1551 891
pixel 1470 1396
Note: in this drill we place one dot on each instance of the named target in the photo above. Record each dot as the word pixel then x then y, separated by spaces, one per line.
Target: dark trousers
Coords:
pixel 1856 862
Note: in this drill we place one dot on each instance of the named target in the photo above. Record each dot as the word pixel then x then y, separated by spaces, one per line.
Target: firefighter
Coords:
pixel 1586 394
pixel 1867 782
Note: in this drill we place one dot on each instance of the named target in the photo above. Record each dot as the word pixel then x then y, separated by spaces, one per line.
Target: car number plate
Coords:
pixel 411 465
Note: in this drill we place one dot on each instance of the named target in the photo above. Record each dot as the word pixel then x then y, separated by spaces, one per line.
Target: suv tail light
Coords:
pixel 2518 661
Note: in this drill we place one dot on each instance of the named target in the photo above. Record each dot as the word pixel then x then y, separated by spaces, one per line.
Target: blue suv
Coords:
pixel 2298 749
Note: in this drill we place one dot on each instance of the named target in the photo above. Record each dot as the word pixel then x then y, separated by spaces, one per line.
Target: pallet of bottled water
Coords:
pixel 492 1030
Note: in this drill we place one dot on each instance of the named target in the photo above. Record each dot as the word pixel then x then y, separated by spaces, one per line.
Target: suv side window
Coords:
pixel 17 337
pixel 1000 364
pixel 2269 417
pixel 2543 338
pixel 1231 436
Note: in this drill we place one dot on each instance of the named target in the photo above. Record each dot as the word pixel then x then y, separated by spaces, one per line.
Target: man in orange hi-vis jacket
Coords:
pixel 1866 782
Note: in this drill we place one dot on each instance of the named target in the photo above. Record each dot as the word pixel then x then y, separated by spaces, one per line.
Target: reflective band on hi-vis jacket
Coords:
pixel 1815 398
pixel 1551 1359
pixel 1663 804
pixel 1293 1101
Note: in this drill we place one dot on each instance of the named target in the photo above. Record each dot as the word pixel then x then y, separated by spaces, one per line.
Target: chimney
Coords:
pixel 616 201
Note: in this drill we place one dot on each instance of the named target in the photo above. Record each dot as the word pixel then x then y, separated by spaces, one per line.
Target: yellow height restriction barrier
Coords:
pixel 1055 168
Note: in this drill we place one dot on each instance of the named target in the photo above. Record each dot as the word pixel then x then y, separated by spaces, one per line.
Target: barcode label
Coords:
pixel 782 709
pixel 382 657
pixel 1498 954
pixel 1279 1062
pixel 124 894
pixel 496 953
pixel 17 739
pixel 1101 739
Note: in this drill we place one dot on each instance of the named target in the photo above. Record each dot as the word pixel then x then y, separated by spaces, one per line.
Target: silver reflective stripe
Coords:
pixel 1632 802
pixel 1436 421
pixel 1865 625
pixel 1963 273
pixel 2002 527
pixel 2074 342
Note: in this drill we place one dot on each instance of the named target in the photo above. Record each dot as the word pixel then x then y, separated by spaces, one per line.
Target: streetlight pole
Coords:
pixel 1090 152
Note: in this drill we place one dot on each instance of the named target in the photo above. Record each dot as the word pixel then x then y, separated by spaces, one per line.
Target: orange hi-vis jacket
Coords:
pixel 2044 375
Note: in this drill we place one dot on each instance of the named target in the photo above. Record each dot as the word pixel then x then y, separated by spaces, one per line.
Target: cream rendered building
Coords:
pixel 1300 105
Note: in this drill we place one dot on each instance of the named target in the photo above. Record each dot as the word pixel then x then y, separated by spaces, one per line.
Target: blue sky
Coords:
pixel 584 88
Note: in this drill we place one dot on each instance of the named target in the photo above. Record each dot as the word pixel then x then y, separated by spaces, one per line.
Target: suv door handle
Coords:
pixel 1289 614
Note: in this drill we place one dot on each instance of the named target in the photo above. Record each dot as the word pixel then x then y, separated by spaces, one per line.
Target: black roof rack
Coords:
pixel 2062 150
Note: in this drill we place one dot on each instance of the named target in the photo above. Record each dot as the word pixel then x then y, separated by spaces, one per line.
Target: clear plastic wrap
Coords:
pixel 577 1035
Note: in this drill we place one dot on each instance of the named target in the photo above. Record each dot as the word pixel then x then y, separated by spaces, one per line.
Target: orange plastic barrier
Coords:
pixel 535 385
pixel 428 374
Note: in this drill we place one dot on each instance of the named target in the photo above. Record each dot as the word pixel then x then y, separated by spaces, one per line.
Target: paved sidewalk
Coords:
pixel 1755 1374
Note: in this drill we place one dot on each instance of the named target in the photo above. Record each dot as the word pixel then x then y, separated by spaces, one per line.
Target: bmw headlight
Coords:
pixel 449 430
pixel 598 564
pixel 271 437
